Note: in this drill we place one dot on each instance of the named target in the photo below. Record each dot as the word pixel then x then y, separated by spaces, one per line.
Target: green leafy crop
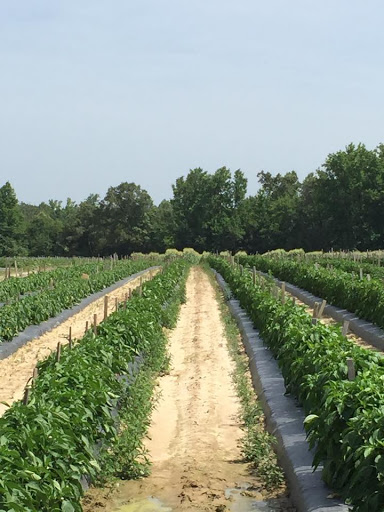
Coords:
pixel 360 296
pixel 89 410
pixel 68 291
pixel 345 419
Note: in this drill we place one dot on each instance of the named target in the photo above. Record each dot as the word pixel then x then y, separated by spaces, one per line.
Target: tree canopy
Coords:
pixel 340 205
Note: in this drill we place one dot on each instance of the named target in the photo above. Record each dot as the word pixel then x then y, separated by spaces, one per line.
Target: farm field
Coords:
pixel 197 426
pixel 195 433
pixel 191 256
pixel 16 369
pixel 33 299
pixel 343 422
pixel 363 295
pixel 153 408
pixel 25 266
pixel 48 441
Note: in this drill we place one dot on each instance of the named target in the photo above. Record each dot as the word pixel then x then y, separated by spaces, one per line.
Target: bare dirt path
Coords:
pixel 17 369
pixel 195 432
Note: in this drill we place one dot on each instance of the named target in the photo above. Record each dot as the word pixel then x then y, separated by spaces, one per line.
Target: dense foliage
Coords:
pixel 65 293
pixel 70 427
pixel 336 286
pixel 14 287
pixel 345 421
pixel 340 205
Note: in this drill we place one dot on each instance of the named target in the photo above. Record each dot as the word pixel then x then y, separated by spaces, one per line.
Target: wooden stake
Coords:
pixel 345 328
pixel 70 337
pixel 282 292
pixel 361 273
pixel 105 306
pixel 368 277
pixel 15 268
pixel 86 326
pixel 58 352
pixel 26 395
pixel 276 291
pixel 116 304
pixel 321 309
pixel 35 374
pixel 95 324
pixel 351 369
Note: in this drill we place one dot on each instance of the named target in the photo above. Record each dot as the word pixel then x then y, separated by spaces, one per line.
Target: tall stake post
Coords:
pixel 351 369
pixel 58 352
pixel 105 306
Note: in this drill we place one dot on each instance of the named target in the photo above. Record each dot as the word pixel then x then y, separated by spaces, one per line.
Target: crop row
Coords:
pixel 370 266
pixel 345 421
pixel 88 410
pixel 360 296
pixel 44 262
pixel 13 287
pixel 348 265
pixel 373 270
pixel 34 309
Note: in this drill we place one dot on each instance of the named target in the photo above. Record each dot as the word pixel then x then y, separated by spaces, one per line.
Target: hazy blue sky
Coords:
pixel 98 92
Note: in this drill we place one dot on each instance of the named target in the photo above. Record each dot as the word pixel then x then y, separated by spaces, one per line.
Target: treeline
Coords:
pixel 340 206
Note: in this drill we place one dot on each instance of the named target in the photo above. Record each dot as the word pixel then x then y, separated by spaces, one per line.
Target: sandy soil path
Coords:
pixel 17 369
pixel 195 432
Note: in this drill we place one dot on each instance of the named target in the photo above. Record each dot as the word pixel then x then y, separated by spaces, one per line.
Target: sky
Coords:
pixel 93 93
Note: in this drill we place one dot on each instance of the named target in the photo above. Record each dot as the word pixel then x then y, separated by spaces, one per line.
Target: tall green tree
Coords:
pixel 11 222
pixel 87 226
pixel 206 209
pixel 125 220
pixel 349 197
pixel 163 227
pixel 42 234
pixel 270 218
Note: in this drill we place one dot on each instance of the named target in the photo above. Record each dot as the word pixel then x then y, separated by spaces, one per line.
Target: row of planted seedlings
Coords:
pixel 88 410
pixel 361 269
pixel 367 268
pixel 63 294
pixel 344 408
pixel 362 296
pixel 15 288
pixel 18 266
